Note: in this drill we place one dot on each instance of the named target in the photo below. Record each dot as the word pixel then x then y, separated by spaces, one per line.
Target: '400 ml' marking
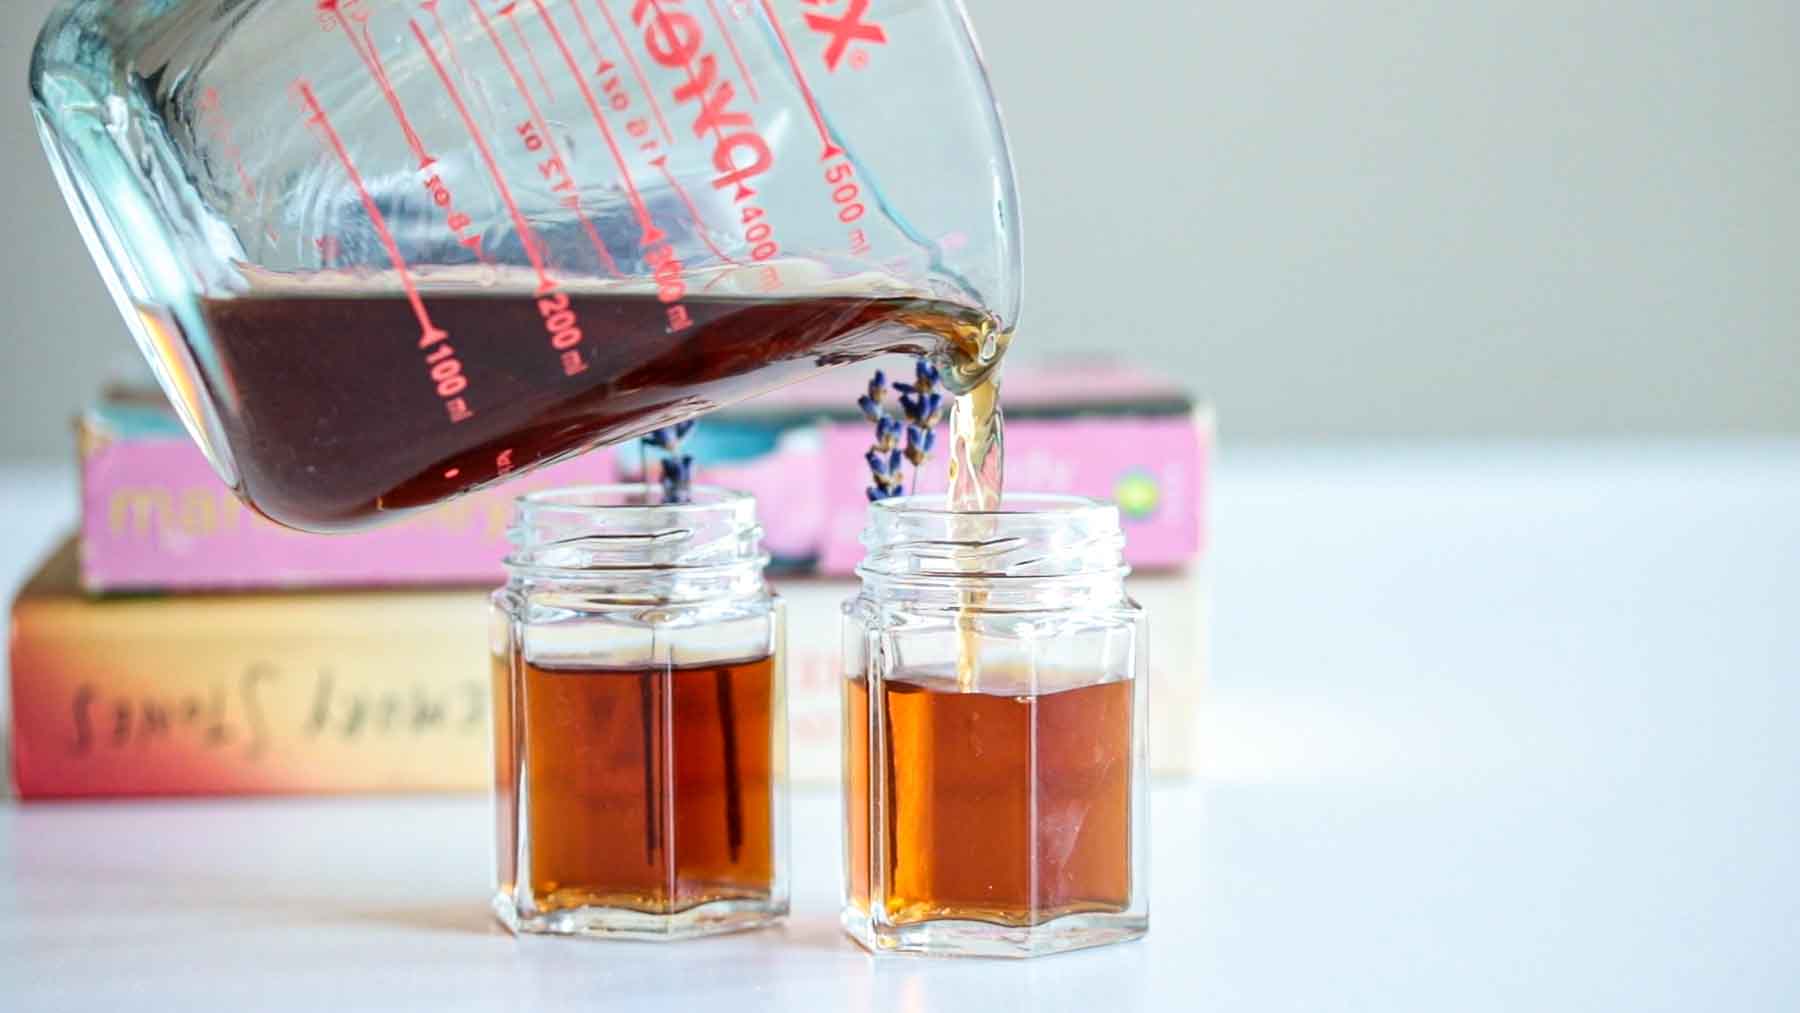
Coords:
pixel 658 252
pixel 677 40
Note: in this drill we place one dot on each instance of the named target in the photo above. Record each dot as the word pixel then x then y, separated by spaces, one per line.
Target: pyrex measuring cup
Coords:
pixel 381 252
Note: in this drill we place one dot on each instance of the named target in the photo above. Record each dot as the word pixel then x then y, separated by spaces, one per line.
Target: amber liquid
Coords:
pixel 1001 807
pixel 977 471
pixel 648 790
pixel 506 776
pixel 339 420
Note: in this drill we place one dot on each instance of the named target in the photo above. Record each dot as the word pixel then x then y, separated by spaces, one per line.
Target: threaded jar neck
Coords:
pixel 622 541
pixel 1037 551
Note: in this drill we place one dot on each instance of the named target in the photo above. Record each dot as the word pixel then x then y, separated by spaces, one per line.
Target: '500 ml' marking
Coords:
pixel 844 194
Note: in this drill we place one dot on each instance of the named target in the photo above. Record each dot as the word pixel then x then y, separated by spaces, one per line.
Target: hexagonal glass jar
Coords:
pixel 994 709
pixel 640 774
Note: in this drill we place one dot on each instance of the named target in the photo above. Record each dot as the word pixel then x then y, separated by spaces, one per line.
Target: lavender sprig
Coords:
pixel 677 468
pixel 920 408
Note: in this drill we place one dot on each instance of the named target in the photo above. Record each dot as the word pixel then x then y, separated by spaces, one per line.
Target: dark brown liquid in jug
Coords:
pixel 342 414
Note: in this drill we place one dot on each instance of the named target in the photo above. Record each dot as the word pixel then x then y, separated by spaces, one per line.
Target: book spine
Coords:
pixel 1154 467
pixel 185 697
pixel 366 692
pixel 154 517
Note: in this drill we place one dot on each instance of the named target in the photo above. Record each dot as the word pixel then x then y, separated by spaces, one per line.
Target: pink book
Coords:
pixel 154 517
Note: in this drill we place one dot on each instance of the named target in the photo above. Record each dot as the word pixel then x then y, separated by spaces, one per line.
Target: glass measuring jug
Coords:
pixel 381 252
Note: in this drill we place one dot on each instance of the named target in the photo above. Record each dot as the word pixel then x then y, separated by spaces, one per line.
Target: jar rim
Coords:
pixel 625 527
pixel 1060 506
pixel 1032 536
pixel 629 496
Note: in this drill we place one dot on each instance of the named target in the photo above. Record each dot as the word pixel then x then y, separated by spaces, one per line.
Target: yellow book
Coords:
pixel 343 691
pixel 368 691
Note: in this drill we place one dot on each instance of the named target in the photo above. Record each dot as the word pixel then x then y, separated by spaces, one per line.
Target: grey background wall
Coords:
pixel 1389 219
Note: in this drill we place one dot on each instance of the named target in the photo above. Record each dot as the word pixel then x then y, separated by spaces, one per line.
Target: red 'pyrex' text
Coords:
pixel 676 40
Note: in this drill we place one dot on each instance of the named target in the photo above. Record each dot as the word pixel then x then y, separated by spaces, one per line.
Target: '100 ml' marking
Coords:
pixel 562 341
pixel 445 370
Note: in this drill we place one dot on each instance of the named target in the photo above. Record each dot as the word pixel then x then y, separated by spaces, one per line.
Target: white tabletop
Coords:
pixel 1490 729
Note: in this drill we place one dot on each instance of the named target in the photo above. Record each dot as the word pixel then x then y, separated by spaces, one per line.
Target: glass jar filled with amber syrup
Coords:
pixel 994 711
pixel 640 768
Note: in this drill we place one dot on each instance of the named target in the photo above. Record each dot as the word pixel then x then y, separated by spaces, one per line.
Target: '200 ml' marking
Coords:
pixel 658 252
pixel 569 356
pixel 536 134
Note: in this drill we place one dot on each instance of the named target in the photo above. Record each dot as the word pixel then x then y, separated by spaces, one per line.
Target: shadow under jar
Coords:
pixel 994 710
pixel 639 718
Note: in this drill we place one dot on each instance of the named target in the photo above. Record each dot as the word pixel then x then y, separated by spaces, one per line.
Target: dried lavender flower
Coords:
pixel 920 408
pixel 677 468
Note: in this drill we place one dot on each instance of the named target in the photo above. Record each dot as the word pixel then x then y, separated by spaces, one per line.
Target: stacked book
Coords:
pixel 181 644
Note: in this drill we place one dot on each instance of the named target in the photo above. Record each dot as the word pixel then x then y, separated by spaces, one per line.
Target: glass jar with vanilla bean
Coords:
pixel 994 712
pixel 639 717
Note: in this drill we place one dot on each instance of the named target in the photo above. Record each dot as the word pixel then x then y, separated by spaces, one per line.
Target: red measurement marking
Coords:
pixel 530 54
pixel 662 163
pixel 652 234
pixel 537 117
pixel 449 40
pixel 373 63
pixel 587 32
pixel 736 57
pixel 387 88
pixel 637 70
pixel 806 92
pixel 674 41
pixel 451 473
pixel 723 91
pixel 456 221
pixel 527 238
pixel 429 333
